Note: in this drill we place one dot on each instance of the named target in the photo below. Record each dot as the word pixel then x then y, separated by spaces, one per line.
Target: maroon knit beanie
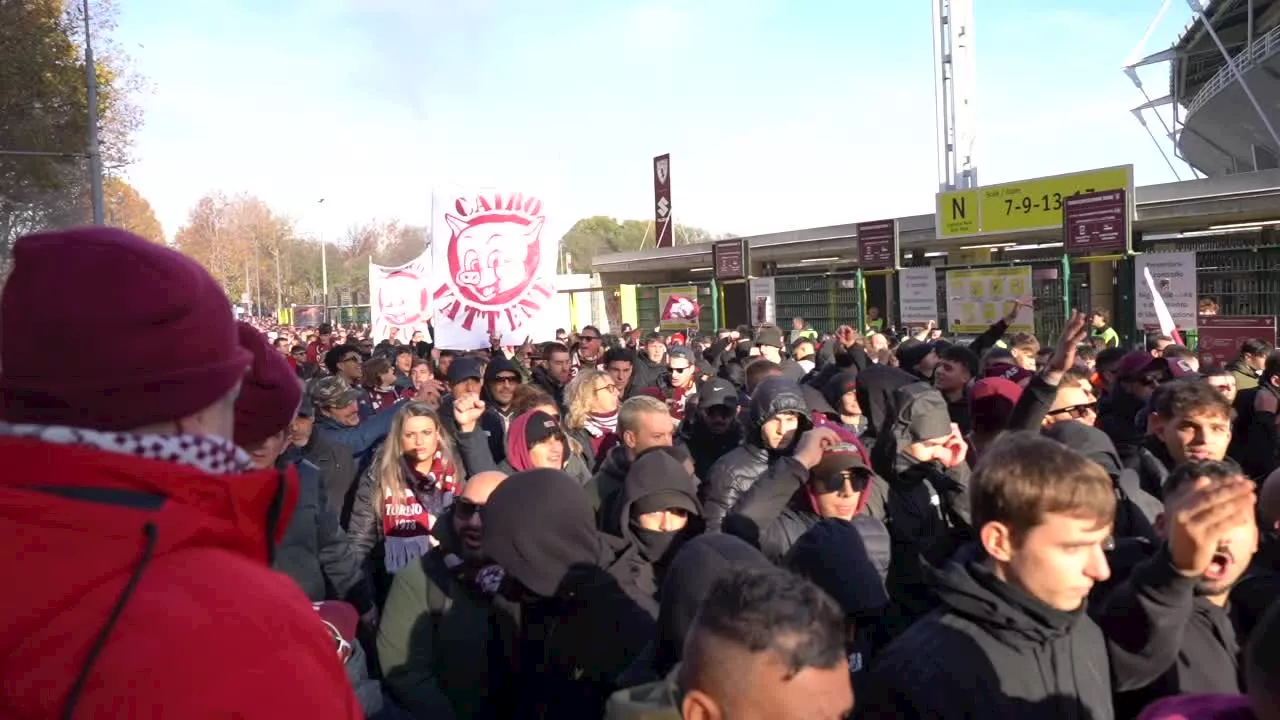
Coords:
pixel 271 392
pixel 991 403
pixel 160 330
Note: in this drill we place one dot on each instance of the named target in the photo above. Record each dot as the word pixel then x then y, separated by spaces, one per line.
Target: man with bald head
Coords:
pixel 443 620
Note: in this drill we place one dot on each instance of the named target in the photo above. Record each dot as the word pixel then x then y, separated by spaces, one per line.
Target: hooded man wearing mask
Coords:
pixel 919 452
pixel 658 510
pixel 583 620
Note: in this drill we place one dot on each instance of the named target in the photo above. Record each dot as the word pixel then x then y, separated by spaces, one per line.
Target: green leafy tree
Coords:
pixel 44 113
pixel 602 235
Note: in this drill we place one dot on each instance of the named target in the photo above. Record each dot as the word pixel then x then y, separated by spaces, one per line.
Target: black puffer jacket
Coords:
pixel 777 511
pixel 738 470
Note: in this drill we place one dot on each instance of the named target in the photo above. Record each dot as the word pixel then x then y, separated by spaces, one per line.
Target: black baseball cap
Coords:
pixel 717 391
pixel 540 427
pixel 464 368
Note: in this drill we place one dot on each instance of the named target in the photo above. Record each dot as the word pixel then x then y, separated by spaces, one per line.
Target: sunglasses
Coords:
pixel 680 369
pixel 507 379
pixel 1078 411
pixel 588 338
pixel 858 479
pixel 465 509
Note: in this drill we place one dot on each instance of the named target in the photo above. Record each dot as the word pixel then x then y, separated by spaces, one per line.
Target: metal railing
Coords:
pixel 1252 56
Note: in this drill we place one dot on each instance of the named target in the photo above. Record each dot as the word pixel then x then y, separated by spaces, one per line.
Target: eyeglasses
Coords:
pixel 610 387
pixel 1077 411
pixel 465 509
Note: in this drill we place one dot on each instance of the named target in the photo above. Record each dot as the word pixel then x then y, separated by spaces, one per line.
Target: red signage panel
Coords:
pixel 730 259
pixel 1096 223
pixel 1220 335
pixel 663 228
pixel 878 244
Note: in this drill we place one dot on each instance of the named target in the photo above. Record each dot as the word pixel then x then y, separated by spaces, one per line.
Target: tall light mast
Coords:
pixel 955 92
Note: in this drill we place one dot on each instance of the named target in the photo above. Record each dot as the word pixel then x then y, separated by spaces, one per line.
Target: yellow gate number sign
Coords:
pixel 1023 205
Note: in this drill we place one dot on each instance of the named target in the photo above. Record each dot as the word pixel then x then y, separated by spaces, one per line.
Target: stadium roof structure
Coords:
pixel 1220 123
pixel 1197 57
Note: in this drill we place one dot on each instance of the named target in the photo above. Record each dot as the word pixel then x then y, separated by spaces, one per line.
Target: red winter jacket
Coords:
pixel 137 588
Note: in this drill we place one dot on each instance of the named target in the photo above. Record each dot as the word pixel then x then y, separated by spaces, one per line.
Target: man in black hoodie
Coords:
pixel 1011 638
pixel 657 511
pixel 697 566
pixel 583 620
pixel 1167 624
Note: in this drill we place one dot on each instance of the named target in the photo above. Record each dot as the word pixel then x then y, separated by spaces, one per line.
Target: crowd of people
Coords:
pixel 237 519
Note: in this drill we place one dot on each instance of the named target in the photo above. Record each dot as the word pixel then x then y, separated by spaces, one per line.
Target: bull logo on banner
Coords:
pixel 493 281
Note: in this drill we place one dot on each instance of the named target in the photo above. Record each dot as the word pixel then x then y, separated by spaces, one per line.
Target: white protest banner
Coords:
pixel 400 298
pixel 493 267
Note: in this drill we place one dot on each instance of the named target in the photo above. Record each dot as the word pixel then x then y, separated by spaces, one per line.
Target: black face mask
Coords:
pixel 655 545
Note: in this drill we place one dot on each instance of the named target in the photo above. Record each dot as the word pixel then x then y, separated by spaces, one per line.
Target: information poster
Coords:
pixel 1174 277
pixel 976 299
pixel 918 295
pixel 763 301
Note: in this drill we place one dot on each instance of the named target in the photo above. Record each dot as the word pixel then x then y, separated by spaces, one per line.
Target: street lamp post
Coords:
pixel 95 149
pixel 324 270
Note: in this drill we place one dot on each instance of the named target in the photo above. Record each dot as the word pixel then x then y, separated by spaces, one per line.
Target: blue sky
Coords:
pixel 778 115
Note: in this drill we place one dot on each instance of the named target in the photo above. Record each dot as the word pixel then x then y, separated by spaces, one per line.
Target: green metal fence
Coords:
pixel 824 301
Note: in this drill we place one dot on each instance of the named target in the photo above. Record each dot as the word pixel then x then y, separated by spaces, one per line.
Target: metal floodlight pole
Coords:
pixel 1235 70
pixel 95 149
pixel 324 270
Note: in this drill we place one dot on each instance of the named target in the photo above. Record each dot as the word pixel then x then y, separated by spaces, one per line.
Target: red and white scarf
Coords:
pixel 213 455
pixel 407 521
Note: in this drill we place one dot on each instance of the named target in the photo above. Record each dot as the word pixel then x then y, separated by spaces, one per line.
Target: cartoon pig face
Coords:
pixel 493 259
pixel 681 308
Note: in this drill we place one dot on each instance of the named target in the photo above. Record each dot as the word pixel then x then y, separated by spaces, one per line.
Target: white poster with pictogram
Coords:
pixel 494 260
pixel 400 299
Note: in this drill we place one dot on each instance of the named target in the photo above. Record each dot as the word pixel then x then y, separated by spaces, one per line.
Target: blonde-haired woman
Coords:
pixel 410 484
pixel 591 402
